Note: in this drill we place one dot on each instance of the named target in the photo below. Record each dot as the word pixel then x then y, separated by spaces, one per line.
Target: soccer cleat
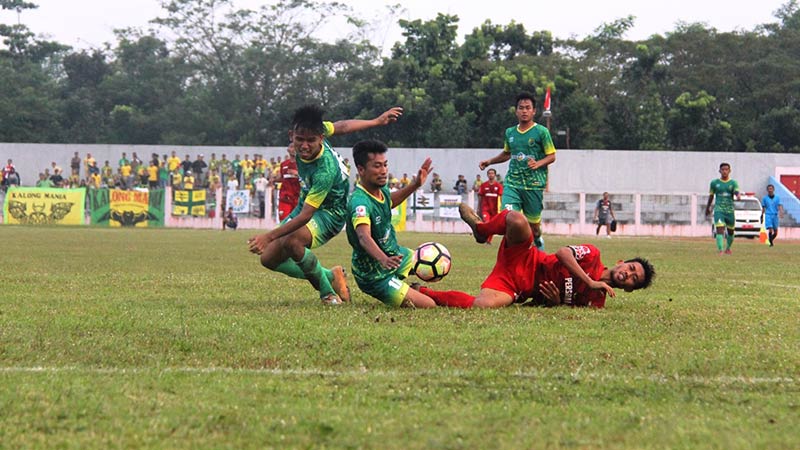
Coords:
pixel 471 218
pixel 728 252
pixel 539 243
pixel 339 283
pixel 720 253
pixel 331 299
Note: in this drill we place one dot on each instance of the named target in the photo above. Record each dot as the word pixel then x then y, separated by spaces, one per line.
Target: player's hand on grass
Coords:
pixel 602 286
pixel 550 292
pixel 392 262
pixel 258 243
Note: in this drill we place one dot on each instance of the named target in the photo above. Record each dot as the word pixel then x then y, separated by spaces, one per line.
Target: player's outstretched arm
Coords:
pixel 400 195
pixel 354 125
pixel 566 256
pixel 500 158
pixel 364 233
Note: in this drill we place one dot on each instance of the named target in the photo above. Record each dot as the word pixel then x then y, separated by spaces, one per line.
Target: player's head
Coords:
pixel 525 107
pixel 307 132
pixel 370 159
pixel 633 274
pixel 605 195
pixel 724 170
pixel 770 190
pixel 492 174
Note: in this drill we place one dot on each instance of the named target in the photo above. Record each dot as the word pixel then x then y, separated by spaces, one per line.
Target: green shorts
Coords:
pixel 526 201
pixel 724 219
pixel 324 225
pixel 389 289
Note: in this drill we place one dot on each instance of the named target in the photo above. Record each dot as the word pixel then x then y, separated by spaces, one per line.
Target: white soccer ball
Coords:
pixel 432 261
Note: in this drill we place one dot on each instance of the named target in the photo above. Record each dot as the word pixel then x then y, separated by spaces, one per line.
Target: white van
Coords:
pixel 747 215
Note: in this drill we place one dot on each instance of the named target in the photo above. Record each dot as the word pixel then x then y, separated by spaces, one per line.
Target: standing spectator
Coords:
pixel 173 162
pixel 188 181
pixel 476 185
pixel 44 182
pixel 236 166
pixel 725 189
pixel 247 174
pixel 8 171
pixel 214 181
pixel 436 183
pixel 233 183
pixel 108 174
pixel 772 210
pixel 603 214
pixel 88 162
pixel 176 180
pixel 93 169
pixel 125 174
pixel 224 168
pixel 186 165
pixel 532 150
pixel 135 163
pixel 489 194
pixel 123 161
pixel 94 180
pixel 405 181
pixel 199 170
pixel 461 185
pixel 57 178
pixel 55 167
pixel 75 163
pixel 261 194
pixel 163 173
pixel 230 220
pixel 213 164
pixel 290 185
pixel 152 175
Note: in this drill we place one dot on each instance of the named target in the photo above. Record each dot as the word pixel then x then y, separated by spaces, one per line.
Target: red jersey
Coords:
pixel 290 183
pixel 490 193
pixel 573 291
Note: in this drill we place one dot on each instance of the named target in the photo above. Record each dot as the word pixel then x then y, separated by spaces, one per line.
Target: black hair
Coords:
pixel 724 164
pixel 649 272
pixel 771 186
pixel 309 118
pixel 525 96
pixel 491 170
pixel 362 150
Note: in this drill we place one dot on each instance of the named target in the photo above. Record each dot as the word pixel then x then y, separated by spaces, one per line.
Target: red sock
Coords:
pixel 495 225
pixel 453 299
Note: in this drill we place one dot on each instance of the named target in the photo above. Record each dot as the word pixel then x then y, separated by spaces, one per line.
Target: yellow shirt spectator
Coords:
pixel 173 163
pixel 188 182
pixel 152 173
pixel 95 179
pixel 125 170
pixel 177 180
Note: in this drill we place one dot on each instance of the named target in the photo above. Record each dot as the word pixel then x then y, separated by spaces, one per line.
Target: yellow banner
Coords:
pixel 399 216
pixel 129 208
pixel 44 206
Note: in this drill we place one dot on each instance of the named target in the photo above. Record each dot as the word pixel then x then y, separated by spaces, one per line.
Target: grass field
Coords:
pixel 179 339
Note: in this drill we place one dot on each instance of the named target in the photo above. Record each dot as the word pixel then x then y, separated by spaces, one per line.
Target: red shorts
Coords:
pixel 488 213
pixel 514 270
pixel 284 209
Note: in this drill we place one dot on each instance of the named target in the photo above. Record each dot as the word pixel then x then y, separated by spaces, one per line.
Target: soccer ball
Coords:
pixel 431 261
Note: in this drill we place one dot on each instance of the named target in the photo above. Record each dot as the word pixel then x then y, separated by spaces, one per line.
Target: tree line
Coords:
pixel 199 77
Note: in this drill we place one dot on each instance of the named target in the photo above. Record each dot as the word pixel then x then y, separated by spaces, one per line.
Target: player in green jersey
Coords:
pixel 379 262
pixel 320 213
pixel 725 190
pixel 530 148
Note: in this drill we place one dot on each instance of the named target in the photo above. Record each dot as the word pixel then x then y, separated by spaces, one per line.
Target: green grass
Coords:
pixel 179 339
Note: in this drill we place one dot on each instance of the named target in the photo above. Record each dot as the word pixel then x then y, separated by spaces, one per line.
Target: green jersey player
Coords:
pixel 379 262
pixel 320 213
pixel 530 148
pixel 724 189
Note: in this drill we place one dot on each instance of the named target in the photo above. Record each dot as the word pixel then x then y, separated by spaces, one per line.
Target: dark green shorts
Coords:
pixel 324 226
pixel 724 219
pixel 526 201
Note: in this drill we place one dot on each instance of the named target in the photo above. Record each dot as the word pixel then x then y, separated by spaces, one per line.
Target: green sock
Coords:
pixel 730 241
pixel 315 273
pixel 719 241
pixel 290 267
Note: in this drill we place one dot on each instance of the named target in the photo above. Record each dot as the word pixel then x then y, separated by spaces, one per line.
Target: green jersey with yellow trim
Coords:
pixel 535 143
pixel 364 208
pixel 723 192
pixel 325 180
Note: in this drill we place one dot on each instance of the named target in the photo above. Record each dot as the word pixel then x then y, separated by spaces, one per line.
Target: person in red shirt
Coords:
pixel 490 193
pixel 573 275
pixel 290 186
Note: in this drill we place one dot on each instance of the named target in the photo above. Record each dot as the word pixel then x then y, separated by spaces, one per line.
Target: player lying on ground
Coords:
pixel 321 212
pixel 379 262
pixel 573 275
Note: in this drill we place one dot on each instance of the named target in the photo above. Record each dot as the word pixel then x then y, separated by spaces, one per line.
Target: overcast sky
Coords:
pixel 89 23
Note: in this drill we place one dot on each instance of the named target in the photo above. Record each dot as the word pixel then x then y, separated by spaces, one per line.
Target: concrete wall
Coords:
pixel 574 170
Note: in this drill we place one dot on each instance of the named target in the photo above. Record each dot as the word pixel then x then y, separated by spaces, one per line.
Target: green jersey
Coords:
pixel 723 192
pixel 364 208
pixel 325 180
pixel 535 143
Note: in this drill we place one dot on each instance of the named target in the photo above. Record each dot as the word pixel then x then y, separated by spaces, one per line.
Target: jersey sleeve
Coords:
pixel 735 186
pixel 329 129
pixel 547 142
pixel 359 214
pixel 711 190
pixel 586 254
pixel 506 146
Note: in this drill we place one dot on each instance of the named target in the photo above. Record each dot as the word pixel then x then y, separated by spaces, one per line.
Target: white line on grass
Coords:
pixel 655 378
